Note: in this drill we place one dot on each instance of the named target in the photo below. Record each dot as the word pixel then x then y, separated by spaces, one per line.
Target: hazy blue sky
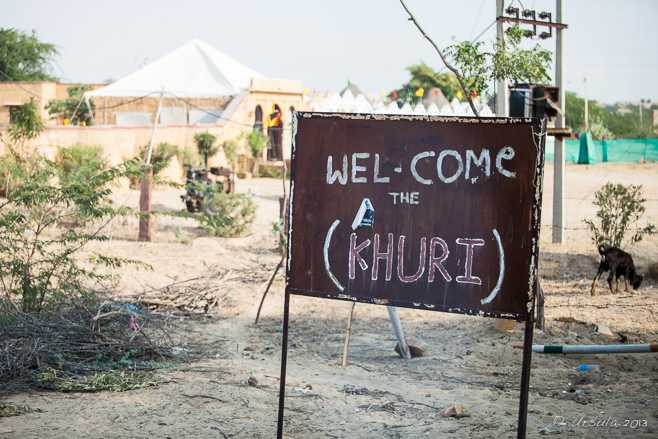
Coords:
pixel 323 44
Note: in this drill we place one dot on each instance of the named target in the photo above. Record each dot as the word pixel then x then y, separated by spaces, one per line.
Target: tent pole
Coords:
pixel 91 113
pixel 155 126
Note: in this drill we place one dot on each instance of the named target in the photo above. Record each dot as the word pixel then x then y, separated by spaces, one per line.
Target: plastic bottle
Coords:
pixel 588 367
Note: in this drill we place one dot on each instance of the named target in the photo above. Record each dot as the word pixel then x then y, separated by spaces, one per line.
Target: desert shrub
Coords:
pixel 160 156
pixel 620 209
pixel 160 159
pixel 187 155
pixel 80 161
pixel 227 215
pixel 257 141
pixel 27 125
pixel 112 380
pixel 204 143
pixel 37 263
pixel 278 230
pixel 9 178
pixel 269 171
pixel 230 148
pixel 70 109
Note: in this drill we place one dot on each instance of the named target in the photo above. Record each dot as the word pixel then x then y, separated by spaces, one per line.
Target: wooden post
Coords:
pixel 145 187
pixel 145 204
pixel 347 337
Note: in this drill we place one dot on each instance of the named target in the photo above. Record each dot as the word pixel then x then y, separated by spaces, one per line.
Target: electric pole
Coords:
pixel 558 155
pixel 502 101
pixel 586 108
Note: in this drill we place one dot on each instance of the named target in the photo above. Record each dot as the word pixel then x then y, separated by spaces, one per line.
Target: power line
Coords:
pixel 19 85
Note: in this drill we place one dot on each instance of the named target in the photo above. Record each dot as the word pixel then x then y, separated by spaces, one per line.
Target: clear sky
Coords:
pixel 326 43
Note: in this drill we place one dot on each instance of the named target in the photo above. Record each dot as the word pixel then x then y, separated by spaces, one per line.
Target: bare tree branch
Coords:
pixel 447 64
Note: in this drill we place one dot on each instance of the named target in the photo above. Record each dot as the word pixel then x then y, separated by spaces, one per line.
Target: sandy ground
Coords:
pixel 378 394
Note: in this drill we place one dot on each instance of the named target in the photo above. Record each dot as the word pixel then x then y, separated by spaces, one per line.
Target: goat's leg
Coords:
pixel 596 279
pixel 610 277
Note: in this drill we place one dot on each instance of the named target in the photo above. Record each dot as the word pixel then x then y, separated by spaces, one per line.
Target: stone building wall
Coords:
pixel 107 108
pixel 122 142
pixel 15 94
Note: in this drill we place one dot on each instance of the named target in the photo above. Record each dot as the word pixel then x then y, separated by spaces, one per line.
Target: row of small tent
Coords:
pixel 348 103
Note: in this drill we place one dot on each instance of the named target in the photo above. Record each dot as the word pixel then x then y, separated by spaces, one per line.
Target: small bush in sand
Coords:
pixel 620 209
pixel 227 215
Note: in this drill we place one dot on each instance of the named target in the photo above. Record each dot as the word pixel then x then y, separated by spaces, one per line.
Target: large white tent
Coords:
pixel 195 70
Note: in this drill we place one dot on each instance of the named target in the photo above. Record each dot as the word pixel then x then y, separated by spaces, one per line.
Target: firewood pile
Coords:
pixel 201 295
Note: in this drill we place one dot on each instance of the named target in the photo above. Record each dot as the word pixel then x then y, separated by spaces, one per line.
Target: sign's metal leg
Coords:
pixel 525 372
pixel 399 334
pixel 284 361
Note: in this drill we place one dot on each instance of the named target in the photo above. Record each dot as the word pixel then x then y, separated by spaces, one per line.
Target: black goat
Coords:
pixel 618 263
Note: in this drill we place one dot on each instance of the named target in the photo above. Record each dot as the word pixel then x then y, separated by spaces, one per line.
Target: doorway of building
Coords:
pixel 275 133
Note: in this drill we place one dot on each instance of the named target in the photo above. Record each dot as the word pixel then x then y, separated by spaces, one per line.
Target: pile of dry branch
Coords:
pixel 75 340
pixel 201 294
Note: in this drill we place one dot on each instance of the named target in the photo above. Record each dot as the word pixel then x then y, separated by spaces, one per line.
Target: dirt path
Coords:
pixel 378 395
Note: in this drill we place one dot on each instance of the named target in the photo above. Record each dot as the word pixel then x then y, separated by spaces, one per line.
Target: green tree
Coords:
pixel 476 68
pixel 507 61
pixel 204 143
pixel 423 76
pixel 24 58
pixel 602 120
pixel 71 109
pixel 574 110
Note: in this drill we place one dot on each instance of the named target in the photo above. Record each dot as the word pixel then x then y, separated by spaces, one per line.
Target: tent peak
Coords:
pixel 195 69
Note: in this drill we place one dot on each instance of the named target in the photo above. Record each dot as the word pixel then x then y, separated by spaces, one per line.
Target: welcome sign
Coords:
pixel 438 213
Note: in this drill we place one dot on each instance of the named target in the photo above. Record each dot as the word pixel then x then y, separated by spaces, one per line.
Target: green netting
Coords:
pixel 586 154
pixel 628 150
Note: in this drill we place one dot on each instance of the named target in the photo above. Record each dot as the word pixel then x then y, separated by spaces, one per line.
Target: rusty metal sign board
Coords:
pixel 438 213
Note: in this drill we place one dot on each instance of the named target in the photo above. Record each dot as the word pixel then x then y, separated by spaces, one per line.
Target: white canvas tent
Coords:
pixel 195 70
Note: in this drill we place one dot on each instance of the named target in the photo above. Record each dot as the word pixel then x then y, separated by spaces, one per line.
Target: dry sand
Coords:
pixel 378 394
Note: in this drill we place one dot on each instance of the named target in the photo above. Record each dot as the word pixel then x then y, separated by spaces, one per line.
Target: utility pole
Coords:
pixel 502 106
pixel 502 101
pixel 558 160
pixel 586 108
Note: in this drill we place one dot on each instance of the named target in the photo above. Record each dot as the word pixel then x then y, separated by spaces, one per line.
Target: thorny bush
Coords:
pixel 620 209
pixel 38 237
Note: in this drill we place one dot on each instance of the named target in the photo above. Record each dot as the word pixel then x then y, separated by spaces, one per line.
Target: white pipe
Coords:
pixel 399 334
pixel 594 349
